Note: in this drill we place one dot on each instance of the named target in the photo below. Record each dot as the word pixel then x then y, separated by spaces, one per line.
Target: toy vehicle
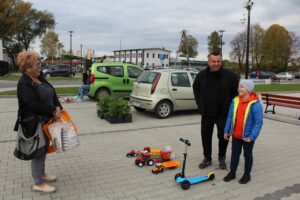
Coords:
pixel 144 158
pixel 135 153
pixel 160 167
pixel 187 182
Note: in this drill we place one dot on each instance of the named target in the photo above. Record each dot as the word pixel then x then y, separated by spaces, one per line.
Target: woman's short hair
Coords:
pixel 27 59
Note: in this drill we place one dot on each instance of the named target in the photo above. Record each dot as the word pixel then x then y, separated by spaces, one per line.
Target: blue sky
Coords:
pixel 102 24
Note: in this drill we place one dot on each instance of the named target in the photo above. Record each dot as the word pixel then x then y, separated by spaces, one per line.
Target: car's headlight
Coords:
pixel 45 70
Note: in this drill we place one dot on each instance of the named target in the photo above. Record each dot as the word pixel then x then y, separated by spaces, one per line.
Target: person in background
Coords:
pixel 37 100
pixel 85 87
pixel 244 123
pixel 214 88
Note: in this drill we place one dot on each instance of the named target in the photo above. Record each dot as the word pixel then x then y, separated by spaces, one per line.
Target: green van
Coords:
pixel 113 78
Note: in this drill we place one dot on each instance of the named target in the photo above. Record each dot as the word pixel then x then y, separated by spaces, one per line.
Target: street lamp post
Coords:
pixel 71 32
pixel 248 6
pixel 81 55
pixel 221 41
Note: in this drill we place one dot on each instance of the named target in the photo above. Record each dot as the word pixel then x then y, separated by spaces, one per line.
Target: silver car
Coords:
pixel 164 91
pixel 285 75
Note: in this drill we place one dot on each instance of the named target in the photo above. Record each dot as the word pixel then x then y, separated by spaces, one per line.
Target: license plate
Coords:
pixel 136 104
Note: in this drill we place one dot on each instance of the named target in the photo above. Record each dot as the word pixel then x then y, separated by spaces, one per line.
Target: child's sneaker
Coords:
pixel 75 97
pixel 78 100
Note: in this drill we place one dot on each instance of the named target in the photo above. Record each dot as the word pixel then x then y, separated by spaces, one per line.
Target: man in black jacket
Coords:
pixel 214 88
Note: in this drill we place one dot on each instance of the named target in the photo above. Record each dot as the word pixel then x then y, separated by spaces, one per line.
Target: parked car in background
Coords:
pixel 164 91
pixel 113 78
pixel 296 74
pixel 262 75
pixel 58 70
pixel 285 75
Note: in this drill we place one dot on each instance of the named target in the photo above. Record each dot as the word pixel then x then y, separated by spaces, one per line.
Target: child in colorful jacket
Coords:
pixel 244 122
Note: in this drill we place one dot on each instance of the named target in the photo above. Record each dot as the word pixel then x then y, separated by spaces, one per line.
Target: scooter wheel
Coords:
pixel 177 175
pixel 185 185
pixel 211 176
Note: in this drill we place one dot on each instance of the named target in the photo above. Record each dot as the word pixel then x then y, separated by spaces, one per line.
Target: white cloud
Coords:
pixel 100 25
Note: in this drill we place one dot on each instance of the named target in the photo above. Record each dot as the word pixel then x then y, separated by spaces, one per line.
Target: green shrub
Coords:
pixel 118 107
pixel 103 103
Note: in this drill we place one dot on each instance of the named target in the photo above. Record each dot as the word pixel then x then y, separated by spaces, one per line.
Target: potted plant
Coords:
pixel 103 105
pixel 118 111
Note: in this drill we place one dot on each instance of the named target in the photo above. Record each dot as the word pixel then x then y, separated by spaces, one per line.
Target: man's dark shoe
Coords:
pixel 222 163
pixel 204 163
pixel 229 177
pixel 245 179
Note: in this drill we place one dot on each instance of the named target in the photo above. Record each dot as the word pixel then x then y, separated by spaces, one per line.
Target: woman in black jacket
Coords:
pixel 38 101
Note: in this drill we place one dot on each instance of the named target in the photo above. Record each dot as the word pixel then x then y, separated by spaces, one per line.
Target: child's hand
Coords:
pixel 247 139
pixel 226 136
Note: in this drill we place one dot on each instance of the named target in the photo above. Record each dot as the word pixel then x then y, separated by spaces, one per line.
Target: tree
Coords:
pixel 277 48
pixel 257 36
pixel 12 12
pixel 238 45
pixel 295 57
pixel 188 46
pixel 20 25
pixel 34 24
pixel 60 48
pixel 49 45
pixel 214 42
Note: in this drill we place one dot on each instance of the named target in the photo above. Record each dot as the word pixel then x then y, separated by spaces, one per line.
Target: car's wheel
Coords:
pixel 185 185
pixel 163 109
pixel 150 162
pixel 140 164
pixel 139 109
pixel 101 92
pixel 128 155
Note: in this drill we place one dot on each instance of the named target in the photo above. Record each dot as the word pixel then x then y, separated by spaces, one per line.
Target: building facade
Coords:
pixel 149 57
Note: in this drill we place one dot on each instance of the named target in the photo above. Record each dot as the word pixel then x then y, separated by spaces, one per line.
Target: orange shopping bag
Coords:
pixel 65 117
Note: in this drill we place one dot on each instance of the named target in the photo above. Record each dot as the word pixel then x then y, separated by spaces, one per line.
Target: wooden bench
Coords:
pixel 280 100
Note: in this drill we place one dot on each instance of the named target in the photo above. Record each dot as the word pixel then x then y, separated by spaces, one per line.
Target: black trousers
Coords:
pixel 207 127
pixel 237 145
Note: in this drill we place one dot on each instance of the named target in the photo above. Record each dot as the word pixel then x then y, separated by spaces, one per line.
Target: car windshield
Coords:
pixel 147 77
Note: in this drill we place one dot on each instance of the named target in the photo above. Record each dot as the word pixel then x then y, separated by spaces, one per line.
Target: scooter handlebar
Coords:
pixel 185 141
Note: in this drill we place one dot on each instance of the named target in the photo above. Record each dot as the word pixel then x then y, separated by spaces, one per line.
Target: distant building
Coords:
pixel 151 57
pixel 181 63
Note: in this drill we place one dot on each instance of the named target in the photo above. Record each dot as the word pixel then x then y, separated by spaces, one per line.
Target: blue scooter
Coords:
pixel 187 182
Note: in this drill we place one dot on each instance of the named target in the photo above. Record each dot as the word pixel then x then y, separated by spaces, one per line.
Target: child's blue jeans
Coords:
pixel 237 145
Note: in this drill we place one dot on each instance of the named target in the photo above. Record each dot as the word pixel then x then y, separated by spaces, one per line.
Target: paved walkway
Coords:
pixel 98 169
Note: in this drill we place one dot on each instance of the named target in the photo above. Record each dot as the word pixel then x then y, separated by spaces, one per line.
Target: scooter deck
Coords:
pixel 192 180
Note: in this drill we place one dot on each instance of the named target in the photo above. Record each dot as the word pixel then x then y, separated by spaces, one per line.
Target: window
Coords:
pixel 147 55
pixel 158 55
pixel 112 70
pixel 128 55
pixel 133 55
pixel 153 55
pixel 134 72
pixel 147 77
pixel 193 75
pixel 180 80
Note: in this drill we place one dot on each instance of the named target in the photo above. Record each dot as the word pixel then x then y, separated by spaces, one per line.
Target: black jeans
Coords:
pixel 207 128
pixel 237 145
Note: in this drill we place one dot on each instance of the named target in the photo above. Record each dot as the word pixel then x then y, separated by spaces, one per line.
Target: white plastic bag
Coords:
pixel 64 136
